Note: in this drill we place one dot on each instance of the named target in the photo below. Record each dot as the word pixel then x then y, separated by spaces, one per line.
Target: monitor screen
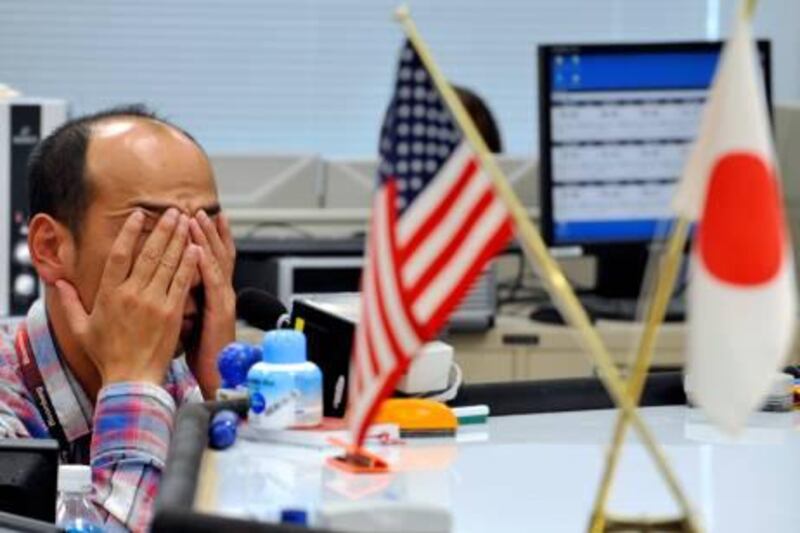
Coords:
pixel 616 124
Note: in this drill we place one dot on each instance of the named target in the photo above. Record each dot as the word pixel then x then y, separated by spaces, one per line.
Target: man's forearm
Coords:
pixel 132 429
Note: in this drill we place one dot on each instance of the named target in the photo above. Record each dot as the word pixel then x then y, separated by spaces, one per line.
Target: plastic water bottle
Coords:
pixel 285 389
pixel 75 512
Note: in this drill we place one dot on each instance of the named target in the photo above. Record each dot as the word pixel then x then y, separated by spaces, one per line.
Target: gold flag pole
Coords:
pixel 537 253
pixel 667 274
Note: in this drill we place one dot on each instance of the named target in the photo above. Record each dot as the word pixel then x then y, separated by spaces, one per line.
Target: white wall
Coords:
pixel 315 75
pixel 778 20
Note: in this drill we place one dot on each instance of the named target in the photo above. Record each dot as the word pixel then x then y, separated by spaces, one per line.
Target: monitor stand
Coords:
pixel 618 280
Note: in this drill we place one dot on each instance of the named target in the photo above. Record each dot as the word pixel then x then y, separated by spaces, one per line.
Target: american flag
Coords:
pixel 436 221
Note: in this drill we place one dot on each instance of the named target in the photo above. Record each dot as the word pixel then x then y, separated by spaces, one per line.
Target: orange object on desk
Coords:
pixel 417 417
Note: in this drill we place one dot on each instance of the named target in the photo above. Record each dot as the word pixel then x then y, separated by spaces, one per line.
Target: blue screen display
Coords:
pixel 633 71
pixel 618 230
pixel 605 103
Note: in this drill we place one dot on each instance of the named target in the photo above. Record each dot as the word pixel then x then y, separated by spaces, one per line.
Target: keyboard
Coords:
pixel 605 308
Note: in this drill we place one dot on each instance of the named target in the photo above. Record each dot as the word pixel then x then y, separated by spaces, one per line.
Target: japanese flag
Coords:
pixel 741 302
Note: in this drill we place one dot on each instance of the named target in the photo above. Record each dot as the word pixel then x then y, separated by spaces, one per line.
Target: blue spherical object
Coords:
pixel 222 430
pixel 254 355
pixel 233 363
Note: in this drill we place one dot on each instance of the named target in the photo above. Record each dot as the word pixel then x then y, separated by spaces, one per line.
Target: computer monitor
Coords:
pixel 616 123
pixel 28 478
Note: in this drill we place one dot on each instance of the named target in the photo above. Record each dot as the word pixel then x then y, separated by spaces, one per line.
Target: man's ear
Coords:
pixel 52 248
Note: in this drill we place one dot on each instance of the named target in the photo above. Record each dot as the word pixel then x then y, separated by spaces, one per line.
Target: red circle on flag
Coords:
pixel 741 234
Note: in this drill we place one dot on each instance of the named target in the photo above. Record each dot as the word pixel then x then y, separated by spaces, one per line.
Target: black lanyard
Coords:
pixel 71 452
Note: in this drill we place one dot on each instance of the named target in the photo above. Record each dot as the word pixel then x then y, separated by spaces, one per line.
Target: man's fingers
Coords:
pixel 212 236
pixel 153 250
pixel 169 262
pixel 77 318
pixel 209 270
pixel 209 256
pixel 182 280
pixel 118 264
pixel 225 233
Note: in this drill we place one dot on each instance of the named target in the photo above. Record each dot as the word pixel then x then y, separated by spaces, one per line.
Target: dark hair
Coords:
pixel 482 116
pixel 57 183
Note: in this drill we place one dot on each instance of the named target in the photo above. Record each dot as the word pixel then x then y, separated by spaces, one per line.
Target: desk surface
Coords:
pixel 536 473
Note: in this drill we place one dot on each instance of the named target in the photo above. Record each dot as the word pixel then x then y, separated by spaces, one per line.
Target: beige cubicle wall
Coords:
pixel 331 197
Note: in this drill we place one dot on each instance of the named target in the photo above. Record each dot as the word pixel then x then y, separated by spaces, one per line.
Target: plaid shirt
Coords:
pixel 130 424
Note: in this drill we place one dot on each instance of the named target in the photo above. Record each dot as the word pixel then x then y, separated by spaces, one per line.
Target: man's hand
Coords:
pixel 133 328
pixel 217 258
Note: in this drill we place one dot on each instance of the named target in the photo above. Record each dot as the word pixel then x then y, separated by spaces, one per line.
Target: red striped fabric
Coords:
pixel 410 289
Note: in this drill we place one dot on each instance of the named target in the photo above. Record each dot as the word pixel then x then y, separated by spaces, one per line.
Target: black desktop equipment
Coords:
pixel 28 478
pixel 616 122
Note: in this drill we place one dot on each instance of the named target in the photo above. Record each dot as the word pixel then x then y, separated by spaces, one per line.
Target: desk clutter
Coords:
pixel 283 393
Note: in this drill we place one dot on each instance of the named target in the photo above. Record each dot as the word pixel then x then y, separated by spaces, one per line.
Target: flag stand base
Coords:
pixel 357 460
pixel 641 524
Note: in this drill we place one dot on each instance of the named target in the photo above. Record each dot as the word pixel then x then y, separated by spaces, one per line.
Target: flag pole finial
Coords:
pixel 749 9
pixel 402 12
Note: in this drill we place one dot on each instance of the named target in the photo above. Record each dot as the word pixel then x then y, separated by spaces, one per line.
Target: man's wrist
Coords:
pixel 112 377
pixel 136 417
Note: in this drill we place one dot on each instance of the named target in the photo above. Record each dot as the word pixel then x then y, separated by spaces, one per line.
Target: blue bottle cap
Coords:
pixel 294 516
pixel 233 363
pixel 284 346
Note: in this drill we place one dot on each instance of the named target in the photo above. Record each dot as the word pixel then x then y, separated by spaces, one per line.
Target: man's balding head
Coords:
pixel 92 173
pixel 59 179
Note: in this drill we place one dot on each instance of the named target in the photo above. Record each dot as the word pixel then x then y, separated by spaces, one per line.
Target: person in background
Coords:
pixel 482 117
pixel 136 258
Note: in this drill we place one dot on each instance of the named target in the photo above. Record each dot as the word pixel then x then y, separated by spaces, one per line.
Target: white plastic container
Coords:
pixel 285 389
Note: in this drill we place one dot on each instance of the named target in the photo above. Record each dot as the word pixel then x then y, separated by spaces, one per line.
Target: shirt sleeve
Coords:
pixel 132 429
pixel 181 383
pixel 19 417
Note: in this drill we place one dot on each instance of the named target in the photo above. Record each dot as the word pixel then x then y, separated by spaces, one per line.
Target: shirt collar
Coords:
pixel 72 405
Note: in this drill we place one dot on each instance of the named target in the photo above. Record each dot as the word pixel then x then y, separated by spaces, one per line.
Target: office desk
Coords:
pixel 534 473
pixel 518 349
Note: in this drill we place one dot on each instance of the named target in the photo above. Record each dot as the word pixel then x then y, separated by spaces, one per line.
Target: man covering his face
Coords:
pixel 127 236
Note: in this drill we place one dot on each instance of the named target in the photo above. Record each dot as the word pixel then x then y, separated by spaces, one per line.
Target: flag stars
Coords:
pixel 418 133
